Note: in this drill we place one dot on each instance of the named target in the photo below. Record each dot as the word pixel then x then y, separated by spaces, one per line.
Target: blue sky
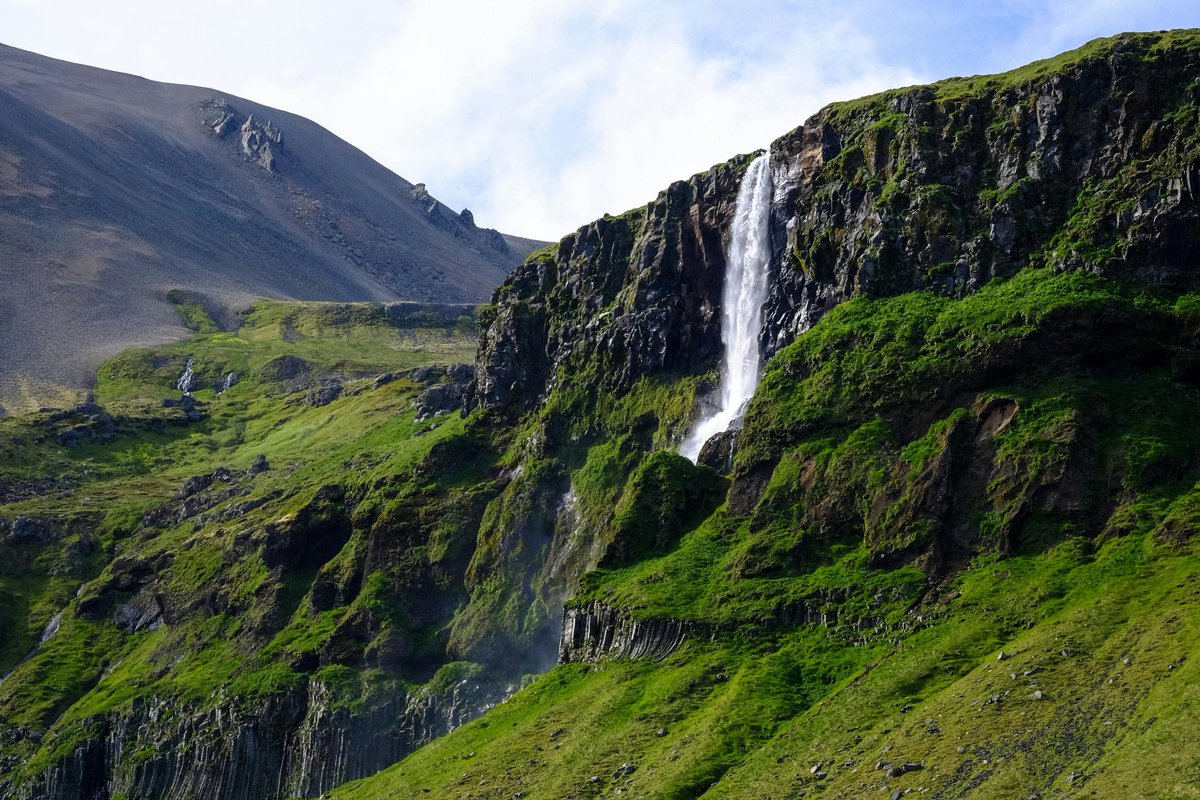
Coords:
pixel 541 115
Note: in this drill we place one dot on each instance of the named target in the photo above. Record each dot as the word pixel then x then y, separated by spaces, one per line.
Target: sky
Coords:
pixel 541 115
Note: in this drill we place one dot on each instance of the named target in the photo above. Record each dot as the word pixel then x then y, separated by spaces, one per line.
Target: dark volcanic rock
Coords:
pixel 85 423
pixel 142 612
pixel 284 368
pixel 24 530
pixel 193 498
pixel 299 743
pixel 324 393
pixel 638 294
pixel 596 630
pixel 901 192
pixel 449 388
pixel 717 452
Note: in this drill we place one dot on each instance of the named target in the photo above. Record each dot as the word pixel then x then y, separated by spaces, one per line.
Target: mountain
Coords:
pixel 950 550
pixel 117 190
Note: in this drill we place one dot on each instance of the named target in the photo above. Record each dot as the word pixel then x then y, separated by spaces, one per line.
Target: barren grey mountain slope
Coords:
pixel 115 189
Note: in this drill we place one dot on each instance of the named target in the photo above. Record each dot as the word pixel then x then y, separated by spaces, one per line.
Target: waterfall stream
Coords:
pixel 745 291
pixel 184 384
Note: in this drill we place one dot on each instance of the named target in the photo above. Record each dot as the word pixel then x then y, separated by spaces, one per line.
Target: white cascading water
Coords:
pixel 184 384
pixel 745 292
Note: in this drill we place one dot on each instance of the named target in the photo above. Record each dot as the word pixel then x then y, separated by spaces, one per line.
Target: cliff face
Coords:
pixel 963 500
pixel 1088 161
pixel 1086 164
pixel 298 744
pixel 622 297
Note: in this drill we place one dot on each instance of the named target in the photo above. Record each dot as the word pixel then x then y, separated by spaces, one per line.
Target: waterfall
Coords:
pixel 745 291
pixel 184 384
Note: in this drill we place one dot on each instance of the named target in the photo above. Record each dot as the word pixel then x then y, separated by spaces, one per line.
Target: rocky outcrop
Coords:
pixel 1088 163
pixel 260 143
pixel 324 392
pixel 597 630
pixel 198 494
pixel 86 423
pixel 23 530
pixel 462 225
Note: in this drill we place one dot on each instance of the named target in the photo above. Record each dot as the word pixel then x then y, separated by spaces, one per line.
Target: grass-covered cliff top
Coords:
pixel 1149 46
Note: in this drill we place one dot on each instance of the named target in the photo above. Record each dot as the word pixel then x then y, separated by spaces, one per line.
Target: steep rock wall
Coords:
pixel 1087 161
pixel 298 744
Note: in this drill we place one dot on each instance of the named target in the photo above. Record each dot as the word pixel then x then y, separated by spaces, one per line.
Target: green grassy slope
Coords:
pixel 750 719
pixel 922 484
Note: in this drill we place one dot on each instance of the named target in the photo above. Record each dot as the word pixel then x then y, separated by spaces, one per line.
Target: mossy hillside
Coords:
pixel 246 617
pixel 886 406
pixel 751 719
pixel 582 444
pixel 1094 640
pixel 868 416
pixel 584 731
pixel 665 497
pixel 1037 403
pixel 1058 412
pixel 1042 335
pixel 872 355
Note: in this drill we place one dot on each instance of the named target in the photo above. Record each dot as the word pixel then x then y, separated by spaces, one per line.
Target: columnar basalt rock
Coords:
pixel 598 630
pixel 296 744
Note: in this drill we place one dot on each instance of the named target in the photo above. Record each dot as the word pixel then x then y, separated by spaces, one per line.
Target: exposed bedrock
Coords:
pixel 298 744
pixel 598 630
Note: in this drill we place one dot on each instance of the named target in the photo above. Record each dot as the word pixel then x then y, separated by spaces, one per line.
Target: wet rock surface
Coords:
pixel 717 452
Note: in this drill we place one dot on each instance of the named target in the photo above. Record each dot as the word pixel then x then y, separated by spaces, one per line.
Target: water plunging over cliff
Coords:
pixel 742 300
pixel 184 384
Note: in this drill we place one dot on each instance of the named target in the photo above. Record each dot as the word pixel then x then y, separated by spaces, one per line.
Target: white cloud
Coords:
pixel 543 115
